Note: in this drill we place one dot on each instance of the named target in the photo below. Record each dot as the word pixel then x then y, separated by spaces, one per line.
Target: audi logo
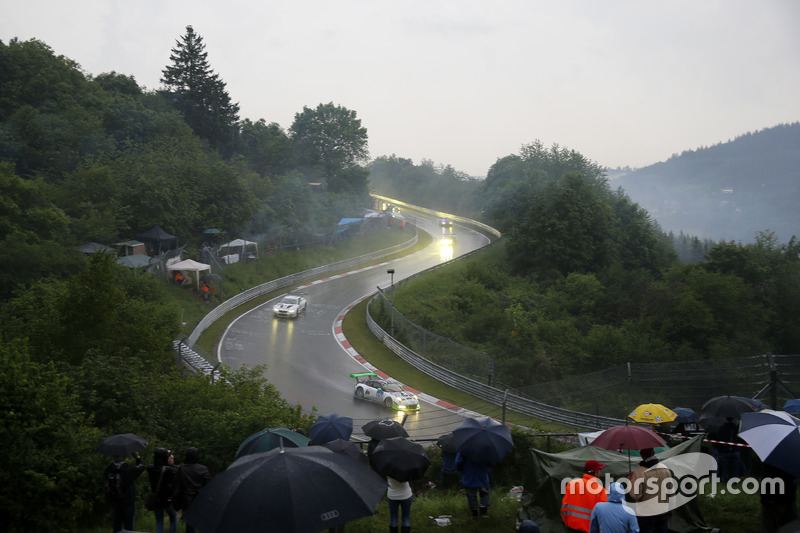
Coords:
pixel 330 515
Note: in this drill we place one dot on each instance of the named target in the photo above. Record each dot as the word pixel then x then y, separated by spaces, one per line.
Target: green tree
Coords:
pixel 331 139
pixel 199 94
pixel 48 444
pixel 265 147
pixel 565 228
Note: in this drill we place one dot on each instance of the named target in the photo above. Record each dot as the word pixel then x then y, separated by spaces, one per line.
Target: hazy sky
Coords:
pixel 464 82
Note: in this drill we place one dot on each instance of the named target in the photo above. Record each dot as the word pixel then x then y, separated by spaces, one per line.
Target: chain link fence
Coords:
pixel 614 391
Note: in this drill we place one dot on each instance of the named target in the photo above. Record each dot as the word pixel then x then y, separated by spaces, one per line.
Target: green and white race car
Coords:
pixel 370 386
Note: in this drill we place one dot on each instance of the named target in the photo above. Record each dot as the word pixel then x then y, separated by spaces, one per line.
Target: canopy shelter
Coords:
pixel 348 221
pixel 94 247
pixel 190 265
pixel 238 249
pixel 127 248
pixel 158 241
pixel 136 261
pixel 541 500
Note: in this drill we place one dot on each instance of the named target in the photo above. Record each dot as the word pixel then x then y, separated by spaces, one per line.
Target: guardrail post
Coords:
pixel 505 400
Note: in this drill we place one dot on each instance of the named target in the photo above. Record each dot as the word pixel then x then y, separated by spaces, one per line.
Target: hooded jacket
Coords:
pixel 166 490
pixel 613 516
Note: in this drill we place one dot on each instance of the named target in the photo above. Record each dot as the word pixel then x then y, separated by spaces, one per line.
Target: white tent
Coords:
pixel 190 265
pixel 234 251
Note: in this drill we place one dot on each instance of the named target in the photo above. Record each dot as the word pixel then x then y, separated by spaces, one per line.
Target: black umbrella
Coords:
pixel 348 448
pixel 330 427
pixel 269 438
pixel 400 459
pixel 384 429
pixel 483 440
pixel 122 444
pixel 717 409
pixel 729 407
pixel 447 443
pixel 308 489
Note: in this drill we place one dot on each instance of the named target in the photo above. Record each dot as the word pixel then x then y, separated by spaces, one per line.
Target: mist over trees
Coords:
pixel 584 279
pixel 729 191
pixel 99 159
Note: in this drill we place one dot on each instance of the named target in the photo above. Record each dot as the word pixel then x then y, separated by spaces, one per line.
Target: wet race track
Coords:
pixel 305 360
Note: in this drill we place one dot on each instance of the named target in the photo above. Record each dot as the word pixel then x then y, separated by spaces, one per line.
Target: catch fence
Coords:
pixel 598 398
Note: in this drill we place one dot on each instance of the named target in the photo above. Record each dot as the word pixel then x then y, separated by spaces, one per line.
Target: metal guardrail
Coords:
pixel 286 281
pixel 491 394
pixel 439 214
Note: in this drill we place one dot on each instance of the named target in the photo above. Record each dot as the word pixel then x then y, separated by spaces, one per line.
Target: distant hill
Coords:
pixel 729 191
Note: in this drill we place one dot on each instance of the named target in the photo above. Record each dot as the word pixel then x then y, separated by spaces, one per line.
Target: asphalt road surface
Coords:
pixel 306 362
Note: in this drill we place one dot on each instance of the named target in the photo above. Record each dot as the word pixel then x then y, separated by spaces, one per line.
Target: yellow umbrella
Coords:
pixel 652 413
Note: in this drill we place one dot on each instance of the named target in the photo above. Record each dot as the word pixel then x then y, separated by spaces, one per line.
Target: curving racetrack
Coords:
pixel 306 361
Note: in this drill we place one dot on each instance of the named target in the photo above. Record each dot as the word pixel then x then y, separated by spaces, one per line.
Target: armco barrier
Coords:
pixel 292 279
pixel 518 404
pixel 439 214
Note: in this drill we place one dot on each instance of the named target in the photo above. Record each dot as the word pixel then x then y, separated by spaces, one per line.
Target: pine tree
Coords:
pixel 199 94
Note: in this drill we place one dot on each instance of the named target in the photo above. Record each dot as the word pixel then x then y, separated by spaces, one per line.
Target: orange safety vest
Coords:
pixel 580 497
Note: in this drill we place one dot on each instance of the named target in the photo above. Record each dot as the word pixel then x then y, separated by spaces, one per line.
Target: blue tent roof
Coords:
pixel 346 221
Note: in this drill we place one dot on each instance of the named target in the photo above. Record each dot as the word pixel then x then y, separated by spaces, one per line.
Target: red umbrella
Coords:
pixel 628 438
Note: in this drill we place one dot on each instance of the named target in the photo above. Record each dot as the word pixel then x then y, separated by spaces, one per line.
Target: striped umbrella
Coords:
pixel 775 437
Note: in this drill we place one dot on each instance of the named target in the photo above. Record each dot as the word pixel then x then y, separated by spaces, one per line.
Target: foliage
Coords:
pixel 441 188
pixel 560 216
pixel 103 308
pixel 101 159
pixel 48 442
pixel 330 138
pixel 199 94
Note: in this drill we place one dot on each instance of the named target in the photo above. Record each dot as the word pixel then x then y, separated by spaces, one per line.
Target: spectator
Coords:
pixel 192 476
pixel 581 495
pixel 448 478
pixel 726 452
pixel 613 516
pixel 475 480
pixel 650 488
pixel 122 492
pixel 778 504
pixel 400 498
pixel 163 482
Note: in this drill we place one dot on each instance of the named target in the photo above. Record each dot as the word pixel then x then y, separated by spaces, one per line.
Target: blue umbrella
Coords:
pixel 269 438
pixel 686 415
pixel 775 437
pixel 330 427
pixel 483 440
pixel 792 407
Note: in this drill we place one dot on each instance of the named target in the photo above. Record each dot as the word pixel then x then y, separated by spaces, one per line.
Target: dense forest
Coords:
pixel 585 279
pixel 97 159
pixel 729 191
pixel 86 344
pixel 582 278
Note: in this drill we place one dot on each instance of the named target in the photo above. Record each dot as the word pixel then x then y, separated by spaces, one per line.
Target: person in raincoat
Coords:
pixel 581 495
pixel 613 516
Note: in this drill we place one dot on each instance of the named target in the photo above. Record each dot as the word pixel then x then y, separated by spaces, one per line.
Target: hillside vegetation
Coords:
pixel 730 191
pixel 583 277
pixel 584 280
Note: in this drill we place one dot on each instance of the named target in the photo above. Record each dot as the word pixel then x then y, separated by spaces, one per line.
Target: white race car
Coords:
pixel 370 386
pixel 290 306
